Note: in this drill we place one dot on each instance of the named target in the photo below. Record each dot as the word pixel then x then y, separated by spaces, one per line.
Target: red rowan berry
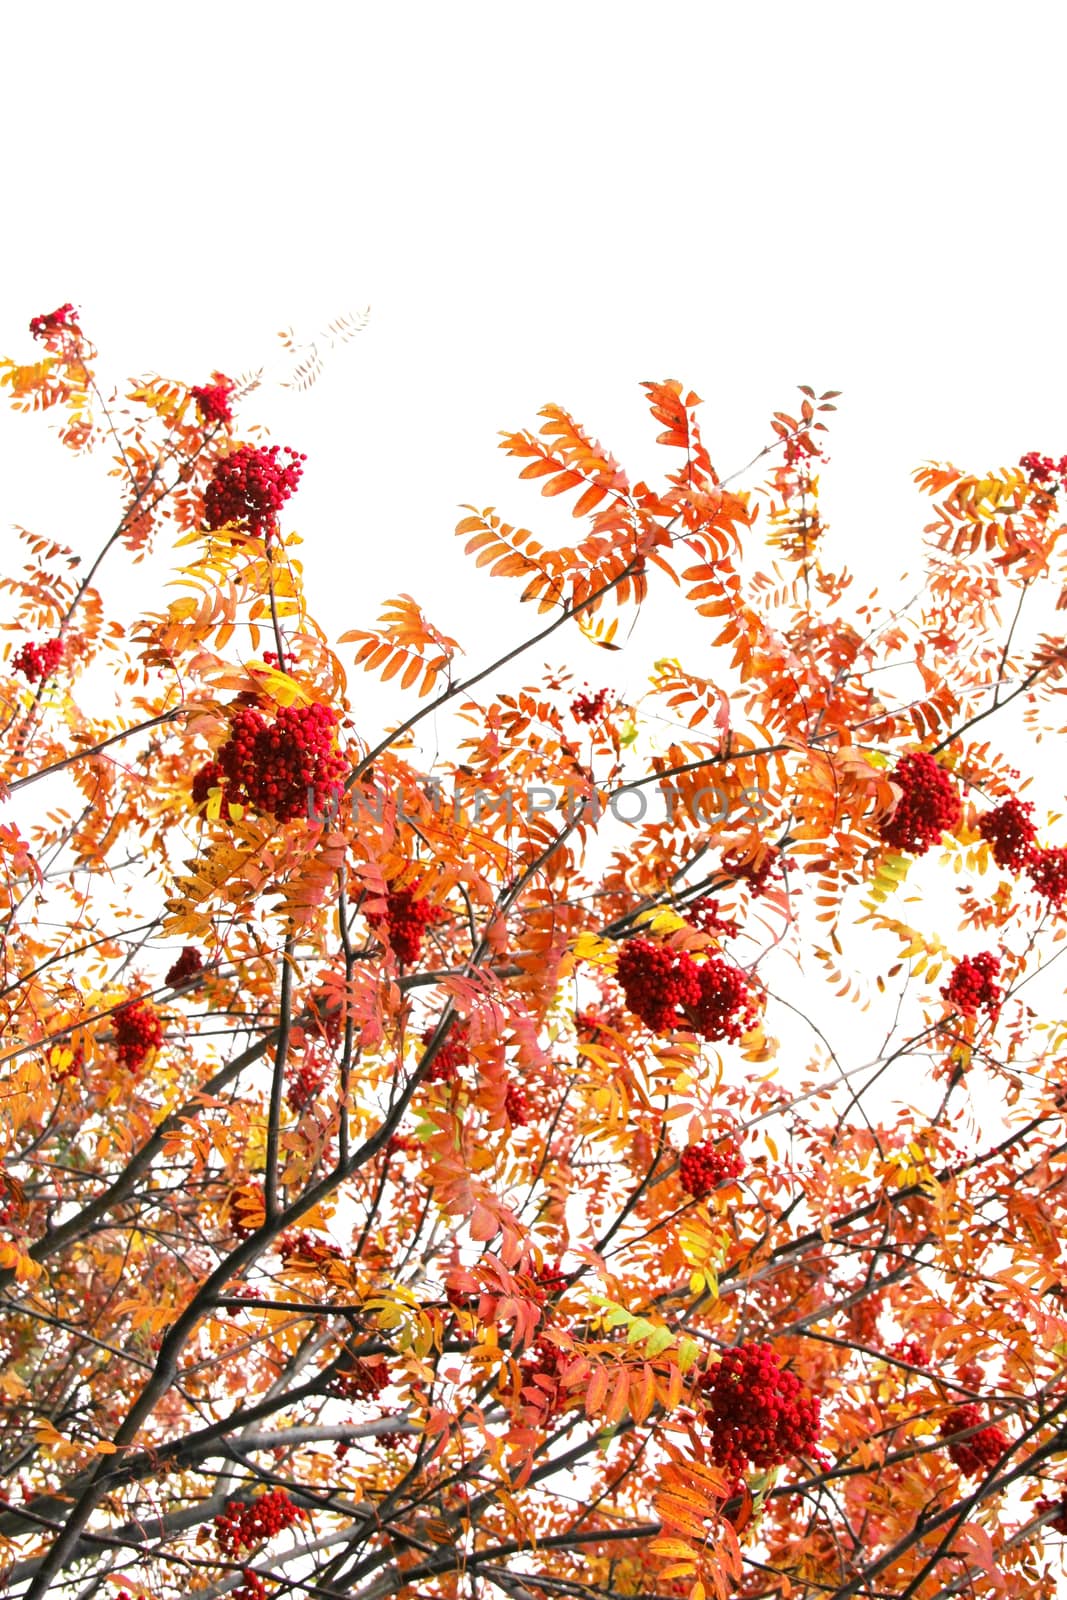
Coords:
pixel 296 1244
pixel 188 964
pixel 911 1351
pixel 138 1030
pixel 551 1280
pixel 587 708
pixel 249 488
pixel 62 1073
pixel 982 1449
pixel 517 1106
pixel 281 768
pixel 1010 832
pixel 213 399
pixel 973 984
pixel 355 1379
pixel 755 874
pixel 539 1377
pixel 405 920
pixel 245 1524
pixel 206 778
pixel 53 322
pixel 305 1084
pixel 704 914
pixel 241 1291
pixel 452 1055
pixel 1039 468
pixel 657 983
pixel 703 1167
pixel 726 1008
pixel 1059 1521
pixel 38 660
pixel 758 1412
pixel 1047 871
pixel 929 805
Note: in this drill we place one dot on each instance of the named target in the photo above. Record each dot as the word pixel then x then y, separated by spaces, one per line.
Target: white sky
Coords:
pixel 547 203
pixel 542 203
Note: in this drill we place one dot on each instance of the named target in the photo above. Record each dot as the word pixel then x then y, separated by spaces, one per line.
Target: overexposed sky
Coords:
pixel 546 203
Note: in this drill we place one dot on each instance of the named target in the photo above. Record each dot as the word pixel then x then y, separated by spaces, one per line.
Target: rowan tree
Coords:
pixel 409 1188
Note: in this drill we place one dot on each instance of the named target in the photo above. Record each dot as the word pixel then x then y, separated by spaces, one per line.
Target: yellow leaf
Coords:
pixel 599 952
pixel 661 919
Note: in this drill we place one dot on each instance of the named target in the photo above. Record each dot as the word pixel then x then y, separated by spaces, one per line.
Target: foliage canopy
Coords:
pixel 403 1189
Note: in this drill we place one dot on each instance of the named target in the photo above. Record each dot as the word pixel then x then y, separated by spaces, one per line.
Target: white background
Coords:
pixel 545 203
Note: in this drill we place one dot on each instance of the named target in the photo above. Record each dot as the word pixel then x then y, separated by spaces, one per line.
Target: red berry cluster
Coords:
pixel 587 708
pixel 271 658
pixel 53 321
pixel 667 989
pixel 1042 469
pixel 703 1167
pixel 245 1524
pixel 658 983
pixel 930 804
pixel 253 1587
pixel 757 1411
pixel 1010 832
pixel 305 1084
pixel 249 488
pixel 755 875
pixel 552 1280
pixel 358 1380
pixel 60 1073
pixel 982 1449
pixel 973 984
pixel 405 920
pixel 540 1372
pixel 726 1009
pixel 138 1030
pixel 11 1202
pixel 517 1107
pixel 704 913
pixel 272 766
pixel 801 449
pixel 1059 1521
pixel 296 1244
pixel 1047 871
pixel 911 1351
pixel 453 1054
pixel 213 399
pixel 241 1291
pixel 188 964
pixel 38 660
pixel 206 778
